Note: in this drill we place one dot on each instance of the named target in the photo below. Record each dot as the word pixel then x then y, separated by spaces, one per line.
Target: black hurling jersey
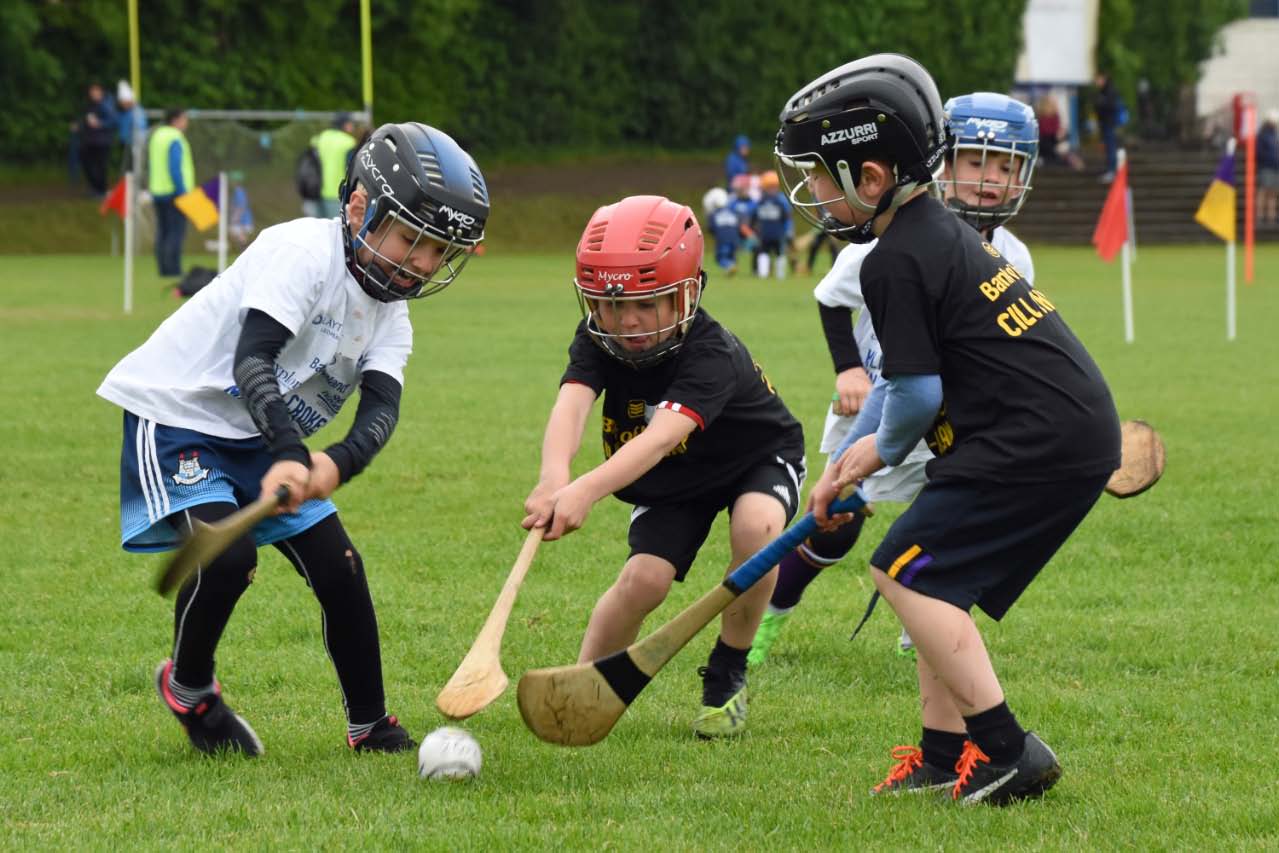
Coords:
pixel 713 380
pixel 1024 402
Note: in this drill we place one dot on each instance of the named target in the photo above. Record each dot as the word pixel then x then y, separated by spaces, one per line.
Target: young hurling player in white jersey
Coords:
pixel 218 401
pixel 992 152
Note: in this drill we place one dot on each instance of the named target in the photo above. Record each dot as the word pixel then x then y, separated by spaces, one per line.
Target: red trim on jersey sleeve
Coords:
pixel 680 408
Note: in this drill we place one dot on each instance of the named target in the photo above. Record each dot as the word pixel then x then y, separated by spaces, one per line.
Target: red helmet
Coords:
pixel 642 247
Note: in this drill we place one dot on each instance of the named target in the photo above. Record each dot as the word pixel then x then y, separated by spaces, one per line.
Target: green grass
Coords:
pixel 1146 653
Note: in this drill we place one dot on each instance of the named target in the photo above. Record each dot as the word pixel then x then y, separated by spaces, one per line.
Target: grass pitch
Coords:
pixel 1146 653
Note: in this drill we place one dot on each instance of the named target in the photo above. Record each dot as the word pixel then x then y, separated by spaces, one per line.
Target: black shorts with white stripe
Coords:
pixel 676 531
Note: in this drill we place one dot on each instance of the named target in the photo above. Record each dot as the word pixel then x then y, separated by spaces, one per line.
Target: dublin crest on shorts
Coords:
pixel 189 470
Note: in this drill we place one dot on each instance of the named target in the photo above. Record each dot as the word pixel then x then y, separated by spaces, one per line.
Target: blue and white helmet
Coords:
pixel 418 176
pixel 984 123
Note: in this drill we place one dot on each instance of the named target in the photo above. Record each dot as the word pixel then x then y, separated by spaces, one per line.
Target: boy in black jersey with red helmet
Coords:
pixel 691 427
pixel 981 365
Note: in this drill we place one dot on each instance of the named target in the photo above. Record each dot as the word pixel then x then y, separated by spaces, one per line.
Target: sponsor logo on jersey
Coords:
pixel 328 325
pixel 856 134
pixel 306 417
pixel 189 470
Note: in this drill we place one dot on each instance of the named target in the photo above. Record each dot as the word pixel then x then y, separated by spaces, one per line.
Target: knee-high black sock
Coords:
pixel 204 604
pixel 997 733
pixel 325 557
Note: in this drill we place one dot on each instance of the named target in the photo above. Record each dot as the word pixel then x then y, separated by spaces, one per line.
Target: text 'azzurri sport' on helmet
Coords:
pixel 979 128
pixel 884 108
pixel 417 177
pixel 640 250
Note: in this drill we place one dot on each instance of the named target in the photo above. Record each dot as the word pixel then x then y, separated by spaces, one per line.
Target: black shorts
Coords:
pixel 968 542
pixel 676 531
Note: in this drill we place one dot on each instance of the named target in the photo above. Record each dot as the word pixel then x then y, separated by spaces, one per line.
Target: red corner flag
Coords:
pixel 114 200
pixel 1112 226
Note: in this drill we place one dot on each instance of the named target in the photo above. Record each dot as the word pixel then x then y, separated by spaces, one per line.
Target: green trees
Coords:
pixel 512 75
pixel 1162 41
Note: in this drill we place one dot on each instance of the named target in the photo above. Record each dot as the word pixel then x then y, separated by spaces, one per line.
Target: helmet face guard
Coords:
pixel 595 301
pixel 884 108
pixel 980 126
pixel 417 178
pixel 642 249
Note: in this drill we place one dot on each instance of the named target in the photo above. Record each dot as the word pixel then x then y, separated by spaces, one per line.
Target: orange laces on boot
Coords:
pixel 965 766
pixel 909 759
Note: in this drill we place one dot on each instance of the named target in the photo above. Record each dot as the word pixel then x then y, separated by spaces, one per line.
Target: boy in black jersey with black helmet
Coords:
pixel 983 367
pixel 691 427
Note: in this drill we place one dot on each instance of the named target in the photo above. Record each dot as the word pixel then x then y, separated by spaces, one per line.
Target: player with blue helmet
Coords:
pixel 993 143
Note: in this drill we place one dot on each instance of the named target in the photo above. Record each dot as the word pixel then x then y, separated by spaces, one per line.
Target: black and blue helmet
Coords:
pixel 420 177
pixel 883 107
pixel 979 125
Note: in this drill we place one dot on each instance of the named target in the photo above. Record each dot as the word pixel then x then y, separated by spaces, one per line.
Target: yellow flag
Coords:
pixel 1217 210
pixel 197 207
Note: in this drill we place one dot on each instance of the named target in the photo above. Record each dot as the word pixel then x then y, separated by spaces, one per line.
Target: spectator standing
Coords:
pixel 737 162
pixel 97 135
pixel 132 120
pixel 171 172
pixel 334 146
pixel 1268 169
pixel 1109 108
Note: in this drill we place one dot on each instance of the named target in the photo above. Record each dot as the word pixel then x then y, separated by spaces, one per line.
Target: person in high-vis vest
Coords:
pixel 334 145
pixel 171 172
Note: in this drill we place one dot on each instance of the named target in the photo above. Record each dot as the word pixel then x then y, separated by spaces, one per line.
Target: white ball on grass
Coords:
pixel 448 753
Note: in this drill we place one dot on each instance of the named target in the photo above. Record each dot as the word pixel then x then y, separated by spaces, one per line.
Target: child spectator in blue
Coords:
pixel 725 227
pixel 771 221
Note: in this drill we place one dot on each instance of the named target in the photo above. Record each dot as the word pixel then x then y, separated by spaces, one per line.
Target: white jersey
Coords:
pixel 842 288
pixel 296 273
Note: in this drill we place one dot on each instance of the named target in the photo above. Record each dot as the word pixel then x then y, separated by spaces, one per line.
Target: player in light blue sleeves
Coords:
pixel 994 143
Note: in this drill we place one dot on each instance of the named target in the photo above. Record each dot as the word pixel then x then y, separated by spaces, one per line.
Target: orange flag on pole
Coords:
pixel 114 200
pixel 1112 226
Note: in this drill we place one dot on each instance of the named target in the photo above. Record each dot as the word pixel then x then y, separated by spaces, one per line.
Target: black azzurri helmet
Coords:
pixel 883 107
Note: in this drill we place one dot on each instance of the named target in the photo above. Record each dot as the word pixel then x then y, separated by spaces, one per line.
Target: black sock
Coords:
pixel 794 574
pixel 997 733
pixel 942 749
pixel 724 656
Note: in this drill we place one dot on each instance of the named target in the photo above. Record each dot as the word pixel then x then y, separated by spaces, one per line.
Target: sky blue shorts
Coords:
pixel 165 470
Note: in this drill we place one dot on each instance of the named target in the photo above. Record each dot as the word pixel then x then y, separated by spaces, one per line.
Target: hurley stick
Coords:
pixel 479 679
pixel 207 541
pixel 1142 460
pixel 578 705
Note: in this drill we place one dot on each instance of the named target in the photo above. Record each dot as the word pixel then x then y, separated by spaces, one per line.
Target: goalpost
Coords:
pixel 252 153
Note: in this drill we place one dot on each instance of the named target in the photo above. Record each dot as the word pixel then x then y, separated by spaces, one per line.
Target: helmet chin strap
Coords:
pixel 893 198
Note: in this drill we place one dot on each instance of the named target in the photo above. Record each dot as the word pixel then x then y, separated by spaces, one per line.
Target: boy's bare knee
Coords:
pixel 645 583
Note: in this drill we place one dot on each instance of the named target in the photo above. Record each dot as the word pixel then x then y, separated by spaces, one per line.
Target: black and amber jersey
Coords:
pixel 711 379
pixel 1024 402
